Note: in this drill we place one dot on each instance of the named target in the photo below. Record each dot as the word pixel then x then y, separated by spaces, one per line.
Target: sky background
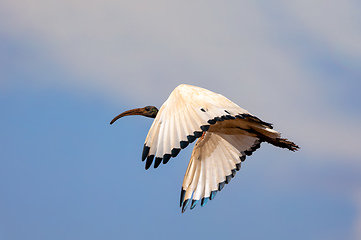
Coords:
pixel 68 67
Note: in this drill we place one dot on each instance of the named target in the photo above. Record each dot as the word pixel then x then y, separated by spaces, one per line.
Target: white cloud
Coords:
pixel 333 23
pixel 250 52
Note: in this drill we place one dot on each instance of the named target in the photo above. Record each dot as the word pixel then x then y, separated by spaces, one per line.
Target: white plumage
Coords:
pixel 226 134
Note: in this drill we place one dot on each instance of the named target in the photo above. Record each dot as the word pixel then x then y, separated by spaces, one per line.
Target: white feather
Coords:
pixel 190 110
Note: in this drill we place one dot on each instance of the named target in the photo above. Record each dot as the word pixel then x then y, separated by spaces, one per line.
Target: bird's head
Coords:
pixel 148 111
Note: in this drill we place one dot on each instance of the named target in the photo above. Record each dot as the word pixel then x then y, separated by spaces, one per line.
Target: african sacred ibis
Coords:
pixel 226 135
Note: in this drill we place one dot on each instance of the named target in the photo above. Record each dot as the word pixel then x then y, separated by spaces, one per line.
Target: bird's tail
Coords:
pixel 264 131
pixel 282 143
pixel 273 137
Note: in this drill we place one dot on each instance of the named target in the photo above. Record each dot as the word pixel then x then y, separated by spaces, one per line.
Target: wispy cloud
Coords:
pixel 261 56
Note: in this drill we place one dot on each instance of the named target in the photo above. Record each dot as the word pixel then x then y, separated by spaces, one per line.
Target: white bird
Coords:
pixel 226 135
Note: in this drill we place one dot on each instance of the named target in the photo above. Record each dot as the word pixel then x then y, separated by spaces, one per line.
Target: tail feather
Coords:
pixel 275 139
pixel 283 143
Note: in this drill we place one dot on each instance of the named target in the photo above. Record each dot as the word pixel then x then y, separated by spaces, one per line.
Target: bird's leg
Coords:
pixel 203 135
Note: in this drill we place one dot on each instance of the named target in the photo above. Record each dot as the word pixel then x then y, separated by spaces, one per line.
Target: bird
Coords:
pixel 225 133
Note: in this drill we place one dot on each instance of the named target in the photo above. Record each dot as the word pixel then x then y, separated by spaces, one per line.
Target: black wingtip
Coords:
pixel 149 161
pixel 166 158
pixel 205 128
pixel 238 166
pixel 145 152
pixel 191 138
pixel 194 203
pixel 183 193
pixel 175 152
pixel 248 152
pixel 183 144
pixel 211 121
pixel 157 161
pixel 197 134
pixel 204 201
pixel 213 194
pixel 234 172
pixel 221 186
pixel 228 178
pixel 185 205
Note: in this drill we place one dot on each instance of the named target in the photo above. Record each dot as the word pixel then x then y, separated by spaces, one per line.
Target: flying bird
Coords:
pixel 226 134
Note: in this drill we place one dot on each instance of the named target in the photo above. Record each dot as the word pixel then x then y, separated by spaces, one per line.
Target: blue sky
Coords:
pixel 68 67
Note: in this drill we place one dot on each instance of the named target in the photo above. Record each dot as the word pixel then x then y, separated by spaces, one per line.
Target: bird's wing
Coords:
pixel 214 162
pixel 184 116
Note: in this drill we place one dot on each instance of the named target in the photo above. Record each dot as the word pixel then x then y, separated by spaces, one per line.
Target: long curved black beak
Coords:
pixel 137 111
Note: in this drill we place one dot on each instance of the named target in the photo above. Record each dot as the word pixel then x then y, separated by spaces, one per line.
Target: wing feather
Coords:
pixel 154 141
pixel 182 118
pixel 199 188
pixel 184 128
pixel 194 182
pixel 167 144
pixel 216 158
pixel 160 144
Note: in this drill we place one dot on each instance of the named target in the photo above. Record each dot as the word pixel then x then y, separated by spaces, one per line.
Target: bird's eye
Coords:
pixel 147 109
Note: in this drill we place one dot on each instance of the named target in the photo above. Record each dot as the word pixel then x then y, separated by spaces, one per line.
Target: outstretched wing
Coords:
pixel 214 162
pixel 185 115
